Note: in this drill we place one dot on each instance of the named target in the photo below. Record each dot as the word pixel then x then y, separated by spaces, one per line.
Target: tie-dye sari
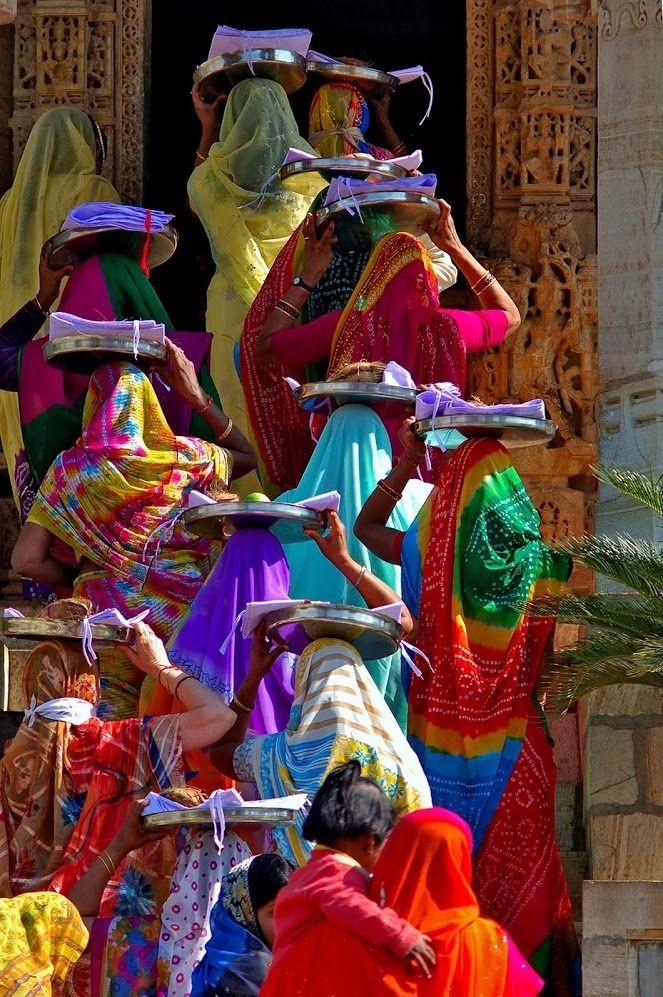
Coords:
pixel 474 720
pixel 114 497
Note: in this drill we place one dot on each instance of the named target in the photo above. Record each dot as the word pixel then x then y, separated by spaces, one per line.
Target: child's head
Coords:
pixel 350 813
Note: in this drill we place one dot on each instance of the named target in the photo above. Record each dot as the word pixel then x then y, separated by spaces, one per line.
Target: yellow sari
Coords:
pixel 248 217
pixel 56 172
pixel 42 938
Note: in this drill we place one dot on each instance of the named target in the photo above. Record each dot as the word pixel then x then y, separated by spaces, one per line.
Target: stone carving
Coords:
pixel 634 14
pixel 531 229
pixel 89 53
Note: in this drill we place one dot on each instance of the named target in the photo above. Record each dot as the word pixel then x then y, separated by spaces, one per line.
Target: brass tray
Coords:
pixel 372 634
pixel 363 77
pixel 343 166
pixel 286 68
pixel 36 629
pixel 511 430
pixel 412 212
pixel 201 817
pixel 210 520
pixel 77 244
pixel 83 354
pixel 356 393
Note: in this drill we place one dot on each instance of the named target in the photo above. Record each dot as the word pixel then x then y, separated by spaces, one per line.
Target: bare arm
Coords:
pixel 380 100
pixel 445 237
pixel 370 526
pixel 31 558
pixel 373 591
pixel 316 258
pixel 180 374
pixel 208 112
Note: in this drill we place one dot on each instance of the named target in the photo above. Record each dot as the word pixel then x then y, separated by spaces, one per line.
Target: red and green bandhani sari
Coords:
pixel 474 719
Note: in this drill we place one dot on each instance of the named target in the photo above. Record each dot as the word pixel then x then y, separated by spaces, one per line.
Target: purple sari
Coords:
pixel 252 568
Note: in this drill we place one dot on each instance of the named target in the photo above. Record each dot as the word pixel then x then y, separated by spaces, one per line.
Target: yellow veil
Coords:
pixel 248 217
pixel 56 172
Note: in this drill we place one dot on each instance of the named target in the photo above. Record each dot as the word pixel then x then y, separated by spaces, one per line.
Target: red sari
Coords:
pixel 423 874
pixel 393 314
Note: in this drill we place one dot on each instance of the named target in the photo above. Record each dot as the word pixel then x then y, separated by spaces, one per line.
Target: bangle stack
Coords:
pixel 389 491
pixel 400 149
pixel 109 865
pixel 360 576
pixel 483 283
pixel 204 408
pixel 284 306
pixel 226 432
pixel 240 706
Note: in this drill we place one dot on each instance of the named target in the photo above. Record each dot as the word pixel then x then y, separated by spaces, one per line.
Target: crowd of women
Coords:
pixel 424 861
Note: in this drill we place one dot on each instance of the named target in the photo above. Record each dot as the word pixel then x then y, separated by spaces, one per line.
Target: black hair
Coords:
pixel 348 805
pixel 267 875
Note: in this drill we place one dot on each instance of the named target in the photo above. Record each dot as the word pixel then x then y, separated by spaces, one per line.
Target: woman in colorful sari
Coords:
pixel 424 873
pixel 58 170
pixel 339 119
pixel 470 563
pixel 51 399
pixel 42 937
pixel 337 714
pixel 246 212
pixel 238 954
pixel 393 314
pixel 113 499
pixel 68 782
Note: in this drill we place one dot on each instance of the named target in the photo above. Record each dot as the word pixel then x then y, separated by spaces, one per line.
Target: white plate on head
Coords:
pixel 202 817
pixel 511 430
pixel 83 354
pixel 211 520
pixel 77 244
pixel 374 635
pixel 359 168
pixel 412 212
pixel 363 77
pixel 282 66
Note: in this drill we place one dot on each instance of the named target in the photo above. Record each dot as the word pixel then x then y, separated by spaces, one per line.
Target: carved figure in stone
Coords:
pixel 541 153
pixel 508 153
pixel 507 46
pixel 581 62
pixel 581 153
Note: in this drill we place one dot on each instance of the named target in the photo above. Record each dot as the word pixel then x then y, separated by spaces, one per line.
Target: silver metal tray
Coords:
pixel 38 629
pixel 83 354
pixel 201 817
pixel 412 212
pixel 210 520
pixel 343 166
pixel 372 634
pixel 356 393
pixel 78 244
pixel 511 430
pixel 286 68
pixel 364 77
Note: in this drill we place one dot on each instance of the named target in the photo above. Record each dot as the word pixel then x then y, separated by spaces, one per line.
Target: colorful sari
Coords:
pixel 56 172
pixel 351 456
pixel 113 499
pixel 338 120
pixel 337 714
pixel 65 790
pixel 392 314
pixel 424 874
pixel 42 937
pixel 473 719
pixel 248 217
pixel 106 287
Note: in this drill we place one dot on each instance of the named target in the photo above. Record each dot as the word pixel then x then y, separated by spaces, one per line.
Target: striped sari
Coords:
pixel 337 714
pixel 471 561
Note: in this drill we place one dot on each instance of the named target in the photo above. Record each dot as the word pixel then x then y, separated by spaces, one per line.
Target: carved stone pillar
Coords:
pixel 92 54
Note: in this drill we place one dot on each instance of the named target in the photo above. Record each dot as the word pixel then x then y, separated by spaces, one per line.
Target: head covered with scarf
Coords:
pixel 338 122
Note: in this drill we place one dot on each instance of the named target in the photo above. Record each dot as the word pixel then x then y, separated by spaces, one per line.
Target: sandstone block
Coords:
pixel 626 846
pixel 610 775
pixel 654 765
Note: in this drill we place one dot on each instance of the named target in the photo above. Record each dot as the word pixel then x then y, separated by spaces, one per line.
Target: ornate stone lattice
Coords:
pixel 532 198
pixel 89 53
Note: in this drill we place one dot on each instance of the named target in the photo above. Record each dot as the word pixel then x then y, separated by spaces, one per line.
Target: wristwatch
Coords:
pixel 299 281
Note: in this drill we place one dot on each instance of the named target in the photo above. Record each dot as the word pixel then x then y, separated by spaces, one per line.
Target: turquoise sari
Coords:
pixel 351 456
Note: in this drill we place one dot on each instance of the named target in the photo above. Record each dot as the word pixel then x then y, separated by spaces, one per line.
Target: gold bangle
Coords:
pixel 389 491
pixel 287 309
pixel 36 302
pixel 109 869
pixel 236 702
pixel 200 157
pixel 486 278
pixel 488 283
pixel 226 432
pixel 180 682
pixel 203 408
pixel 360 576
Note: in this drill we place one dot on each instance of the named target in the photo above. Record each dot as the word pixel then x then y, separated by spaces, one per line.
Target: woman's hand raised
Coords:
pixel 334 543
pixel 208 113
pixel 414 448
pixel 148 652
pixel 318 250
pixel 181 375
pixel 444 234
pixel 264 651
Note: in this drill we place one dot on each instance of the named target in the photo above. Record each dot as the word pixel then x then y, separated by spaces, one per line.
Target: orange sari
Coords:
pixel 424 874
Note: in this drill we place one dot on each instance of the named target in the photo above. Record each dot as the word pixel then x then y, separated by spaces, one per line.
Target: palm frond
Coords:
pixel 634 563
pixel 614 611
pixel 643 488
pixel 571 679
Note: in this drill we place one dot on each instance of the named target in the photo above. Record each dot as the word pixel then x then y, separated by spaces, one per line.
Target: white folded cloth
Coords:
pixel 322 503
pixel 228 40
pixel 104 214
pixel 67 709
pixel 345 188
pixel 62 324
pixel 410 162
pixel 447 401
pixel 396 375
